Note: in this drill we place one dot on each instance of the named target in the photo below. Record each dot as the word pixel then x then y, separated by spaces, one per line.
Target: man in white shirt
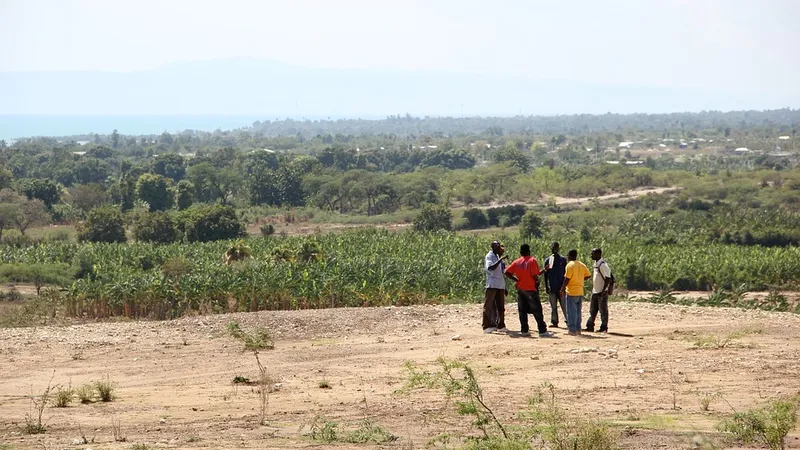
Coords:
pixel 494 304
pixel 601 281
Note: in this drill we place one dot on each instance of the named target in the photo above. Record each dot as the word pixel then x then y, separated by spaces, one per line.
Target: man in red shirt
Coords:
pixel 524 272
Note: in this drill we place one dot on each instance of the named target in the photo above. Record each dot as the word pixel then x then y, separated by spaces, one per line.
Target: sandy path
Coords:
pixel 174 378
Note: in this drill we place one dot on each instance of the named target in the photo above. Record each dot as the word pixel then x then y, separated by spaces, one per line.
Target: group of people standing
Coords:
pixel 564 280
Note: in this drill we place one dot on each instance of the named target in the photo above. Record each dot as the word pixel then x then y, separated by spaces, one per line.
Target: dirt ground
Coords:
pixel 174 379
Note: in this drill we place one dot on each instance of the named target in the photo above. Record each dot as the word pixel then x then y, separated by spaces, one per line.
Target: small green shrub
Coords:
pixel 707 398
pixel 63 397
pixel 105 390
pixel 564 431
pixel 725 341
pixel 33 419
pixel 257 339
pixel 324 384
pixel 370 432
pixel 324 430
pixel 768 425
pixel 85 393
pixel 238 379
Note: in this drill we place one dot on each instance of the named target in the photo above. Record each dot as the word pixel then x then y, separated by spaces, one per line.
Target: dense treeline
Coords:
pixel 364 168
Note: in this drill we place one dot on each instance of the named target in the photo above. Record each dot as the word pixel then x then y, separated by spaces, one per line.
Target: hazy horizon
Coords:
pixel 356 58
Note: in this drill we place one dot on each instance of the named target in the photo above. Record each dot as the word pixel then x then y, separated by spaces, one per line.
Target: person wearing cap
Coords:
pixel 554 267
pixel 494 302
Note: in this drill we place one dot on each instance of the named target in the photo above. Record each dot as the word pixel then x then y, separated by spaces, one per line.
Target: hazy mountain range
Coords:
pixel 270 89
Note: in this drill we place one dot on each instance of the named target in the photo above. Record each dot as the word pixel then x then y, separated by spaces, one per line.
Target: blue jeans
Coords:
pixel 574 313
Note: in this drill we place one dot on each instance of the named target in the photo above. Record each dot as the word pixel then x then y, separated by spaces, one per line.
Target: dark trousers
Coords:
pixel 557 299
pixel 528 303
pixel 494 308
pixel 599 302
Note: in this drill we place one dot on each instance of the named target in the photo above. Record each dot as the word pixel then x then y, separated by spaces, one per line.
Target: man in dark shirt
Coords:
pixel 554 267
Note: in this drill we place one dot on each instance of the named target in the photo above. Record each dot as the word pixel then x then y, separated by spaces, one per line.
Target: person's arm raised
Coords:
pixel 494 266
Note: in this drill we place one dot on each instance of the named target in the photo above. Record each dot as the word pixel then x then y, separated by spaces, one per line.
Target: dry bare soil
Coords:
pixel 174 379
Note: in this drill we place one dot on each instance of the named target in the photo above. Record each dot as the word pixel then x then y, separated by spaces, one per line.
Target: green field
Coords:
pixel 360 268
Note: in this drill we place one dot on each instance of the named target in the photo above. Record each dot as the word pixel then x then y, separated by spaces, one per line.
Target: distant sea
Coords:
pixel 18 126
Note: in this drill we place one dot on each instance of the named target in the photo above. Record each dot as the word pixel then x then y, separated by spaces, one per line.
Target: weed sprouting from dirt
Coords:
pixel 116 430
pixel 367 432
pixel 140 447
pixel 563 431
pixel 457 380
pixel 105 390
pixel 324 430
pixel 707 398
pixel 257 339
pixel 324 384
pixel 718 342
pixel 238 379
pixel 549 423
pixel 33 419
pixel 63 396
pixel 676 381
pixel 85 393
pixel 768 425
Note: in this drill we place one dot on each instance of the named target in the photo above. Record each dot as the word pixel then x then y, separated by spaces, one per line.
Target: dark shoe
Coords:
pixel 553 325
pixel 603 330
pixel 590 330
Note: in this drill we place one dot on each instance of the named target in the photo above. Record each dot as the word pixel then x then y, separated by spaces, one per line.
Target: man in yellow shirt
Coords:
pixel 575 275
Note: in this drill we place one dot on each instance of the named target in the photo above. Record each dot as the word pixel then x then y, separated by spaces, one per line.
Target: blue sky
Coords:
pixel 747 46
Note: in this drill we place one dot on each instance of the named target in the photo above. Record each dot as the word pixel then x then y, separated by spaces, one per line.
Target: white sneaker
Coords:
pixel 504 330
pixel 546 334
pixel 524 334
pixel 489 330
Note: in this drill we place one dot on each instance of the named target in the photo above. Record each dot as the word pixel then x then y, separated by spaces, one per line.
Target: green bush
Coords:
pixel 513 215
pixel 155 191
pixel 184 194
pixel 474 219
pixel 158 227
pixel 103 224
pixel 531 225
pixel 433 218
pixel 205 223
pixel 768 425
pixel 267 230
